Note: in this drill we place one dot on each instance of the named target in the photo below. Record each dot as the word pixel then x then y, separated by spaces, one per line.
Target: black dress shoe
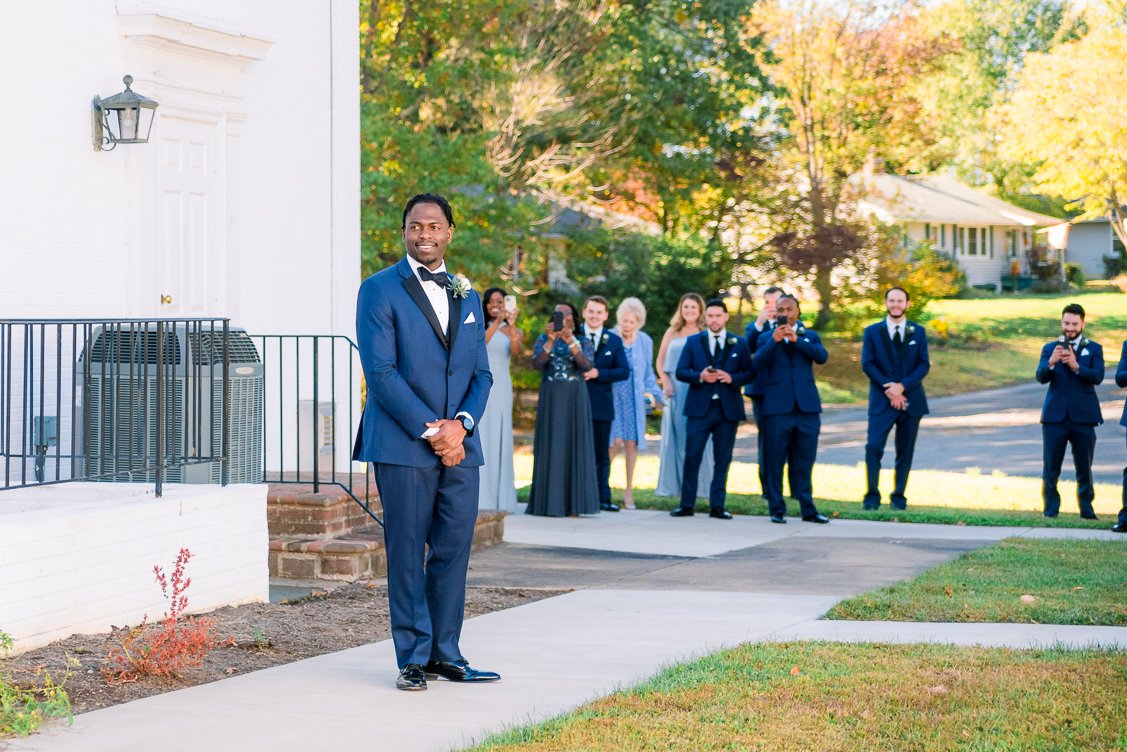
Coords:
pixel 1088 516
pixel 720 514
pixel 606 506
pixel 778 518
pixel 870 507
pixel 1119 527
pixel 460 671
pixel 412 678
pixel 681 513
pixel 821 519
pixel 1050 516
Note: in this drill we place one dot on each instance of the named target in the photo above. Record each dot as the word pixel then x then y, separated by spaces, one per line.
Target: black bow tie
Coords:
pixel 442 279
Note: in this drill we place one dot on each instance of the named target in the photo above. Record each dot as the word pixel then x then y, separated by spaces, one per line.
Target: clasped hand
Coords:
pixel 895 393
pixel 715 375
pixel 1064 355
pixel 448 441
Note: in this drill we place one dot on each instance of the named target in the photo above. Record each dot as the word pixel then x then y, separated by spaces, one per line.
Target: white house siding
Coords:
pixel 985 267
pixel 1088 243
pixel 244 204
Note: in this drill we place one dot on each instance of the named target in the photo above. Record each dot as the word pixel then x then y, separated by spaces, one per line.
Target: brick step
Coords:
pixel 357 554
pixel 294 509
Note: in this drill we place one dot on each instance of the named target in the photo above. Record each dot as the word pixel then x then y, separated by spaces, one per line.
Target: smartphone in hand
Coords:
pixel 510 303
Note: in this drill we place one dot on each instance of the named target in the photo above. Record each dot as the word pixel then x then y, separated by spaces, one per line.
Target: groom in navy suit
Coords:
pixel 894 357
pixel 1072 366
pixel 422 347
pixel 715 364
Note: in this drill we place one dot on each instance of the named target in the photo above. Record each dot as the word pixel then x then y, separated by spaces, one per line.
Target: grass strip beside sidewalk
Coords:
pixel 829 697
pixel 1018 580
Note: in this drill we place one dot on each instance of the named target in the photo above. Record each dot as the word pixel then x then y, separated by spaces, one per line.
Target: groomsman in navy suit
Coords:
pixel 610 365
pixel 763 322
pixel 422 346
pixel 894 357
pixel 784 362
pixel 1072 366
pixel 715 364
pixel 1120 525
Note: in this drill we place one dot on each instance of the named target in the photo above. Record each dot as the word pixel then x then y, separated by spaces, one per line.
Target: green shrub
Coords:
pixel 23 711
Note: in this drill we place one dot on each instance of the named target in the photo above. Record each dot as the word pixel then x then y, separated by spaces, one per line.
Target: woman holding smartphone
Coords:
pixel 503 341
pixel 564 482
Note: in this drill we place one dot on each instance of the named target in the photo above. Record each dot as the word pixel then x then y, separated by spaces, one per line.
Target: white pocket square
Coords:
pixel 733 355
pixel 805 339
pixel 607 353
pixel 1084 351
pixel 912 342
pixel 470 319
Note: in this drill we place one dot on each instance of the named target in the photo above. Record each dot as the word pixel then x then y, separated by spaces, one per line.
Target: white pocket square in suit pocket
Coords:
pixel 470 319
pixel 912 342
pixel 732 355
pixel 1084 351
pixel 607 354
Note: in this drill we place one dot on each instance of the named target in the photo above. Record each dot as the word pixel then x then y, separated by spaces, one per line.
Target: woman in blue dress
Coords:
pixel 628 429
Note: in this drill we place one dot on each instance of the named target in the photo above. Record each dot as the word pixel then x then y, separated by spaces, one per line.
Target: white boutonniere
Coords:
pixel 911 329
pixel 731 341
pixel 800 329
pixel 461 286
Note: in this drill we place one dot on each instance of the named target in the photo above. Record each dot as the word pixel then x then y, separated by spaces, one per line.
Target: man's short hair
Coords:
pixel 1075 308
pixel 773 290
pixel 788 296
pixel 428 198
pixel 597 299
pixel 891 290
pixel 716 303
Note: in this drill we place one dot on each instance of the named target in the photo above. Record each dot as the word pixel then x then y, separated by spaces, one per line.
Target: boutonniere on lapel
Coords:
pixel 461 287
pixel 731 341
pixel 799 328
pixel 1084 342
pixel 911 329
pixel 603 339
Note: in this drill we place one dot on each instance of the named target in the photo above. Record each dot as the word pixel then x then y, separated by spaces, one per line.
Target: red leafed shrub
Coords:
pixel 164 650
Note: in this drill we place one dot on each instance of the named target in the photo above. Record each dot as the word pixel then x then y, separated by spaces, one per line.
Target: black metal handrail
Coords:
pixel 126 398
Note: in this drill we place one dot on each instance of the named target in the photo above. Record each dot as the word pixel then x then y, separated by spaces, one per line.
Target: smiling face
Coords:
pixel 495 306
pixel 786 310
pixel 896 302
pixel 426 233
pixel 690 311
pixel 715 318
pixel 595 314
pixel 1072 325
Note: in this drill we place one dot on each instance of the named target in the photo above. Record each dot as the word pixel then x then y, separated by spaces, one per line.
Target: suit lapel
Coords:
pixel 414 288
pixel 455 324
pixel 886 340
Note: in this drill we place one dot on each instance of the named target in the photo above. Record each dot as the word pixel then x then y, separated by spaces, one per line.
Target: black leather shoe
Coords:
pixel 460 671
pixel 720 514
pixel 1050 516
pixel 606 506
pixel 870 507
pixel 778 518
pixel 1088 516
pixel 412 678
pixel 820 518
pixel 681 513
pixel 1119 527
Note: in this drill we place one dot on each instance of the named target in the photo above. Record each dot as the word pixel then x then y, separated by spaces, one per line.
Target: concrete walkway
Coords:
pixel 652 591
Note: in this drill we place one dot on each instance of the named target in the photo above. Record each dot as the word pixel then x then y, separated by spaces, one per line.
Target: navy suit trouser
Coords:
pixel 907 428
pixel 1123 511
pixel 602 458
pixel 431 509
pixel 757 415
pixel 1056 437
pixel 791 439
pixel 715 425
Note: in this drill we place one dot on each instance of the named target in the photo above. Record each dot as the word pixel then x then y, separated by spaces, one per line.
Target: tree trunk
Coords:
pixel 823 283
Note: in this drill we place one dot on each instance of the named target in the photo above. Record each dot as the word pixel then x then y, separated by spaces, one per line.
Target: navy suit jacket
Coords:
pixel 1121 379
pixel 414 374
pixel 734 358
pixel 787 373
pixel 1072 395
pixel 610 359
pixel 883 364
pixel 754 387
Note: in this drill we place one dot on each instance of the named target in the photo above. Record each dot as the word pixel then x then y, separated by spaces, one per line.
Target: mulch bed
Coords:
pixel 249 638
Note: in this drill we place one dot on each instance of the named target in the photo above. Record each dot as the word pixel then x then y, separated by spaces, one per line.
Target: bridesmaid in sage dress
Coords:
pixel 685 323
pixel 503 340
pixel 563 451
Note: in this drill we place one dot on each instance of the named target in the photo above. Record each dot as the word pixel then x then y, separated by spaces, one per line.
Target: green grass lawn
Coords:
pixel 968 498
pixel 994 342
pixel 828 697
pixel 1018 580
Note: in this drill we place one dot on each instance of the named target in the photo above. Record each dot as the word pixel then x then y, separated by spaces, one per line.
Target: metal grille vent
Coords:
pixel 132 346
pixel 207 347
pixel 121 438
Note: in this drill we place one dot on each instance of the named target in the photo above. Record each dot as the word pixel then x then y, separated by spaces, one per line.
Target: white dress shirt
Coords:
pixel 594 335
pixel 892 326
pixel 437 296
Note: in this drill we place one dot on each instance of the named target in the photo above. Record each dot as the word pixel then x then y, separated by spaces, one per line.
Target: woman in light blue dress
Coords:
pixel 687 321
pixel 628 429
pixel 497 489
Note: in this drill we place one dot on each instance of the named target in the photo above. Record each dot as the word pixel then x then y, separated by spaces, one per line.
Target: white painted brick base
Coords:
pixel 78 557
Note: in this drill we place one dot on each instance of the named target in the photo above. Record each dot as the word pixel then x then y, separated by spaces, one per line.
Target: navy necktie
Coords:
pixel 896 340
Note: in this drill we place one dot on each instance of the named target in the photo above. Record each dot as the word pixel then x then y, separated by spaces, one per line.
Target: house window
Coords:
pixel 927 231
pixel 972 241
pixel 1011 243
pixel 956 246
pixel 943 236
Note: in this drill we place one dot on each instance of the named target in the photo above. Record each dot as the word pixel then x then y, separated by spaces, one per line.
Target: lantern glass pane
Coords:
pixel 128 120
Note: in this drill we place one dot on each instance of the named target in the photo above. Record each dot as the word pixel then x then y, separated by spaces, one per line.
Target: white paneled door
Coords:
pixel 188 261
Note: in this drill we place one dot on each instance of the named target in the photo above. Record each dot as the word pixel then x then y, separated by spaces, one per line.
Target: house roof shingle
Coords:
pixel 939 199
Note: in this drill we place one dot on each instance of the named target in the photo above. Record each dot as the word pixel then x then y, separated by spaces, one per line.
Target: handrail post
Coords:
pixel 224 463
pixel 316 418
pixel 160 409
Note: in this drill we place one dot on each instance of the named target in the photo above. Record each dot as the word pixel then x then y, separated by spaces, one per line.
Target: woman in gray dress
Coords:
pixel 686 322
pixel 563 451
pixel 503 340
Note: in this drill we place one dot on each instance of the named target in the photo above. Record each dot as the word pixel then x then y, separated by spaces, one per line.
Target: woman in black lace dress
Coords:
pixel 563 451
